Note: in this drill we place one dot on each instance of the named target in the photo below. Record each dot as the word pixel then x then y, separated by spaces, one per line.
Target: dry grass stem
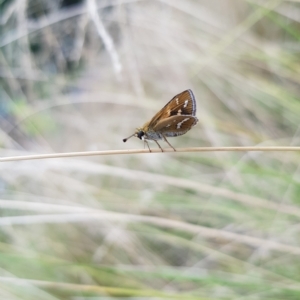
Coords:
pixel 139 151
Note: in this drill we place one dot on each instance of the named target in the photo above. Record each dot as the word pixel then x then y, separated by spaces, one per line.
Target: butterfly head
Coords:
pixel 140 134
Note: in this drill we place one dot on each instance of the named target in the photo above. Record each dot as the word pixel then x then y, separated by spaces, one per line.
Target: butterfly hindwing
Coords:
pixel 175 125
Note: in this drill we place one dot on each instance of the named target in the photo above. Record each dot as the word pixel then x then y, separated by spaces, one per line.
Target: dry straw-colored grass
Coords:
pixel 139 151
pixel 77 79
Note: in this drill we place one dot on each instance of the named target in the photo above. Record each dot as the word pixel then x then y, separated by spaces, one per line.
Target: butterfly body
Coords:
pixel 176 118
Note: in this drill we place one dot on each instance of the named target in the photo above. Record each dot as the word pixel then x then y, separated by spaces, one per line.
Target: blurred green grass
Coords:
pixel 157 226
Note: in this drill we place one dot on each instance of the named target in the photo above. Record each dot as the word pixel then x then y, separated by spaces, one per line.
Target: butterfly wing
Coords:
pixel 182 104
pixel 175 125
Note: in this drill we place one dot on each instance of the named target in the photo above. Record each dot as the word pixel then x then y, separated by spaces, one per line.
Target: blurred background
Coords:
pixel 81 76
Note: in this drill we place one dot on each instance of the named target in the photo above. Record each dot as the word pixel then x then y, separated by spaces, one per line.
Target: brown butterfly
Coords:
pixel 177 117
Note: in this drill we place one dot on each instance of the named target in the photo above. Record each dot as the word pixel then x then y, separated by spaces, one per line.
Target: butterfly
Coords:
pixel 176 118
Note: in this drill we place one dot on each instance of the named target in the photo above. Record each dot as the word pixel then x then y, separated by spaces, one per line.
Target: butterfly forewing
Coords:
pixel 180 105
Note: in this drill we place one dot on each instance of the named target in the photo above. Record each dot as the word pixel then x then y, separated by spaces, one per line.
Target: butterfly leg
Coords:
pixel 159 146
pixel 168 142
pixel 145 142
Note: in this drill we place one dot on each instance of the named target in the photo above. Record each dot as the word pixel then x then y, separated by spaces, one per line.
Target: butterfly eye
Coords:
pixel 140 134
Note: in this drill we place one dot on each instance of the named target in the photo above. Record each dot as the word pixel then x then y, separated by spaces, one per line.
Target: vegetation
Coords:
pixel 81 76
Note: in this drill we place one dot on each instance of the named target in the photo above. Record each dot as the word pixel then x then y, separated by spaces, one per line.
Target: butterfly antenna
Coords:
pixel 125 140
